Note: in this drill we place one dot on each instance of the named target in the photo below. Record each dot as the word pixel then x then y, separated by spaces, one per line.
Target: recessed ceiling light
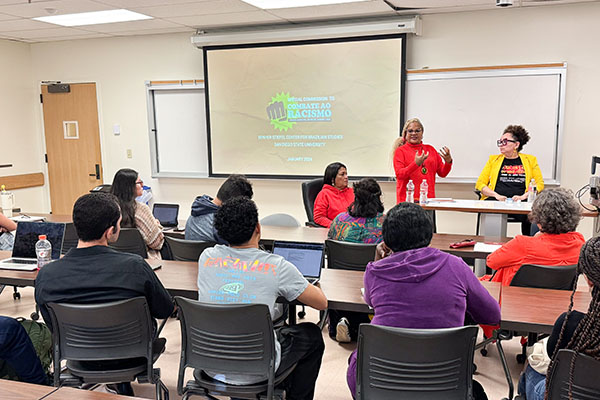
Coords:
pixel 270 4
pixel 93 18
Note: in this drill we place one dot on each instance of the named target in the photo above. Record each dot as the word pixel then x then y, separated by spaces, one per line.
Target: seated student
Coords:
pixel 127 185
pixel 411 285
pixel 573 329
pixel 18 352
pixel 361 223
pixel 236 222
pixel 6 237
pixel 95 273
pixel 334 197
pixel 199 225
pixel 556 213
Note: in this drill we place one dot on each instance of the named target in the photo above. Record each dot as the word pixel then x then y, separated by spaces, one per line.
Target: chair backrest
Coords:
pixel 346 255
pixel 416 364
pixel 226 339
pixel 280 219
pixel 130 241
pixel 70 239
pixel 545 277
pixel 310 190
pixel 187 250
pixel 586 385
pixel 107 331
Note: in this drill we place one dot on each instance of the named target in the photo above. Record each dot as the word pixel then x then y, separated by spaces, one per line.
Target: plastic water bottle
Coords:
pixel 531 191
pixel 43 251
pixel 410 192
pixel 423 192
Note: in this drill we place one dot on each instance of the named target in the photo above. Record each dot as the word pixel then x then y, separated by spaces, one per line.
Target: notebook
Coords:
pixel 307 257
pixel 166 213
pixel 23 254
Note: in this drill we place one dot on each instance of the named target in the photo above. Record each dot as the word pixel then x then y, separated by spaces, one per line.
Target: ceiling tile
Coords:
pixel 5 17
pixel 23 25
pixel 74 37
pixel 145 3
pixel 180 29
pixel 130 26
pixel 438 3
pixel 367 8
pixel 227 19
pixel 47 33
pixel 40 9
pixel 200 8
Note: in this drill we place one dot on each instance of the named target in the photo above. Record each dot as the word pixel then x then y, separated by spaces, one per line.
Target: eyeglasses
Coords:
pixel 140 182
pixel 504 142
pixel 414 130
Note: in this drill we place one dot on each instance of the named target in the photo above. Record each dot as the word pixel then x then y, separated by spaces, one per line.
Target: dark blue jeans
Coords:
pixel 17 350
pixel 532 384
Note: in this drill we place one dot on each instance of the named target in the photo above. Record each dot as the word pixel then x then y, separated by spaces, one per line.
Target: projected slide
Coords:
pixel 289 110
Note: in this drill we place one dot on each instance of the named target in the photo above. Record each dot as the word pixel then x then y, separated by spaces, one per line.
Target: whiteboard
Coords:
pixel 177 129
pixel 468 111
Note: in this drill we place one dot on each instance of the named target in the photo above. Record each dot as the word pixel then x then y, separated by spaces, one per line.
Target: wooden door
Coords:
pixel 72 144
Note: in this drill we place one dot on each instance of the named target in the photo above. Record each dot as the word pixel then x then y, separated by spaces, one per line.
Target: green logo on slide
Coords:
pixel 277 112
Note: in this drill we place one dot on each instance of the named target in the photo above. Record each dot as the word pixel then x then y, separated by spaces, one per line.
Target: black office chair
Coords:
pixel 310 190
pixel 105 188
pixel 280 219
pixel 106 343
pixel 347 255
pixel 560 277
pixel 130 241
pixel 586 385
pixel 186 250
pixel 416 364
pixel 70 239
pixel 227 340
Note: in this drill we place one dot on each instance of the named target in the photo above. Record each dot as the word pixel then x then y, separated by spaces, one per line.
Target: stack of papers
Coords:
pixel 486 248
pixel 27 218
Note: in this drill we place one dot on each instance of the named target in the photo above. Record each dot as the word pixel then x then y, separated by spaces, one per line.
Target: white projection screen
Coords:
pixel 286 110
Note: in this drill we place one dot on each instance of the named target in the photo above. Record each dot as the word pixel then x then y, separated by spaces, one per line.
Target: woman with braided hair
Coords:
pixel 572 330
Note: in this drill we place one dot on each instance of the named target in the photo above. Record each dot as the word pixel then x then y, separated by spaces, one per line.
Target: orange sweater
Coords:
pixel 542 249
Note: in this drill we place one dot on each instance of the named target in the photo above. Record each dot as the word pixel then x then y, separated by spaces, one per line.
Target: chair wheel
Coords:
pixel 16 295
pixel 301 314
pixel 521 358
pixel 35 316
pixel 483 352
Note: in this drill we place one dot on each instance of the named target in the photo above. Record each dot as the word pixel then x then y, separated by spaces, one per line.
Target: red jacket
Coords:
pixel 541 249
pixel 406 168
pixel 330 202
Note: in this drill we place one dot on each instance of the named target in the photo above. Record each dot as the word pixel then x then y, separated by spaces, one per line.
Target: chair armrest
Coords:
pixel 313 224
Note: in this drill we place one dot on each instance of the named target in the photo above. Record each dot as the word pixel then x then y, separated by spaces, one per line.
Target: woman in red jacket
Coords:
pixel 335 197
pixel 416 161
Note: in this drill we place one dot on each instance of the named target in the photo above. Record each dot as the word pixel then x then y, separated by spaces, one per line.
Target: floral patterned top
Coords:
pixel 346 228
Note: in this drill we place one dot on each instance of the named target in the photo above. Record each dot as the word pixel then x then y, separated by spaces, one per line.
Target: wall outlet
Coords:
pixel 129 153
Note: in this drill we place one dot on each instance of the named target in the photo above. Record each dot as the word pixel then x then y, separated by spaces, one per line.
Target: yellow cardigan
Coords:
pixel 489 175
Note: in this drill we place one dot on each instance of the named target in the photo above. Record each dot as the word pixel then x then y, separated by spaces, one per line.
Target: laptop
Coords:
pixel 23 254
pixel 166 213
pixel 307 257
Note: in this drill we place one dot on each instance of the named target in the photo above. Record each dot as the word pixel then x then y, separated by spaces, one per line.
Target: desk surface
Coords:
pixel 536 310
pixel 490 207
pixel 67 393
pixel 23 391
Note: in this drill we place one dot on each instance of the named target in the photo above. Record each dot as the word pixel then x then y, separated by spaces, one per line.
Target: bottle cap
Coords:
pixel 42 237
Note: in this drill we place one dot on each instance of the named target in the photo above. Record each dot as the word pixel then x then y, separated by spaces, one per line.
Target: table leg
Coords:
pixel 491 225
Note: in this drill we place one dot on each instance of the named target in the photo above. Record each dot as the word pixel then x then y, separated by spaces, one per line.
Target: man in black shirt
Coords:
pixel 95 273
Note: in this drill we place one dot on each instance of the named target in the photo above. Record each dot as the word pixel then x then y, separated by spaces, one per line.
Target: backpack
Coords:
pixel 41 337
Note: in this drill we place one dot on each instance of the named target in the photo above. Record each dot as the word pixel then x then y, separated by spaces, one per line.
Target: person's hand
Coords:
pixel 3 229
pixel 520 198
pixel 445 153
pixel 499 197
pixel 420 158
pixel 382 251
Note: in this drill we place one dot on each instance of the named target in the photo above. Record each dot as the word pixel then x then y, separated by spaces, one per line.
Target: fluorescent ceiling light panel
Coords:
pixel 94 18
pixel 272 4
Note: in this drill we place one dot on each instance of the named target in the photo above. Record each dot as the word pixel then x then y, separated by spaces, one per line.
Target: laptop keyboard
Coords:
pixel 14 261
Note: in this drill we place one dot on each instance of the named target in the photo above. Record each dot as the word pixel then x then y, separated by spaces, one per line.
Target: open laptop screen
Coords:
pixel 166 213
pixel 307 257
pixel 27 236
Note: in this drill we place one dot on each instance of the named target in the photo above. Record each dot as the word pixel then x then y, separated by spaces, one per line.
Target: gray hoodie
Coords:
pixel 200 225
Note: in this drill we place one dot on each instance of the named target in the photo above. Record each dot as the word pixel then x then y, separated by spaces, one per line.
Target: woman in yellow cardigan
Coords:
pixel 508 174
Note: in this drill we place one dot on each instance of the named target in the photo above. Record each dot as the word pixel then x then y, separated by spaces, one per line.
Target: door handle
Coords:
pixel 97 174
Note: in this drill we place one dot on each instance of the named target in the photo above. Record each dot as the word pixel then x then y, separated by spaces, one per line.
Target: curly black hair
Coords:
pixel 236 220
pixel 407 226
pixel 367 199
pixel 519 134
pixel 94 213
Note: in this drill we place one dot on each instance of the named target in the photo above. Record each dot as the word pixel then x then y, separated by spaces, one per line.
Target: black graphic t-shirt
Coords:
pixel 511 178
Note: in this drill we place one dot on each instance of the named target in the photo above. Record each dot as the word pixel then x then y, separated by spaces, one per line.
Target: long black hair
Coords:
pixel 331 172
pixel 123 186
pixel 586 338
pixel 367 199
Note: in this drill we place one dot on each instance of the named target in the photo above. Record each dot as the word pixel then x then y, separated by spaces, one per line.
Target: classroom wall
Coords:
pixel 495 37
pixel 21 142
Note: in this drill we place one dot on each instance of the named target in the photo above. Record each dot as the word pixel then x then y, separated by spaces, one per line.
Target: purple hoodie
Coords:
pixel 424 288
